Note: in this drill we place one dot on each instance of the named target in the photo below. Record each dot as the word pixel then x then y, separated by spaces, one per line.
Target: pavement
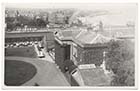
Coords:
pixel 47 56
pixel 47 72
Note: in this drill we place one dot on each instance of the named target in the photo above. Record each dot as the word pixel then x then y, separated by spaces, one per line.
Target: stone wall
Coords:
pixel 59 56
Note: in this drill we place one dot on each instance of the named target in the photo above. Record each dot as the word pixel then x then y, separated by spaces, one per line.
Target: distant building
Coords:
pixel 119 32
pixel 83 46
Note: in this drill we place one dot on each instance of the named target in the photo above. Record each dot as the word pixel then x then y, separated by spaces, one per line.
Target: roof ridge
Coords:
pixel 97 35
pixel 80 33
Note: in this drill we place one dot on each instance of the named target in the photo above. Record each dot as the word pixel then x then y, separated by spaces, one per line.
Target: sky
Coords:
pixel 89 6
pixel 129 7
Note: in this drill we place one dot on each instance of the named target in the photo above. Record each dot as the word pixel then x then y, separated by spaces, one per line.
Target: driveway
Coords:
pixel 47 72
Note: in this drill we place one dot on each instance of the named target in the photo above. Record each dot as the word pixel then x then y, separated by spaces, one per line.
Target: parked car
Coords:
pixel 41 54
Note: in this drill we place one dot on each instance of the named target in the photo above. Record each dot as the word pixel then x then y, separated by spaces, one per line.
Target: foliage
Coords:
pixel 94 56
pixel 90 55
pixel 120 59
pixel 9 21
pixel 39 20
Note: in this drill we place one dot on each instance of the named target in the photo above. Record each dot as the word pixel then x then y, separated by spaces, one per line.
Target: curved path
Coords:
pixel 47 73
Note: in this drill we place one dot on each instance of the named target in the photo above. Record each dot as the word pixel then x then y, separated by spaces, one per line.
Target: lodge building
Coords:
pixel 75 49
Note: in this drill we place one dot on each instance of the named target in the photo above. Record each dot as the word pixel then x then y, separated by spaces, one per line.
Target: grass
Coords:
pixel 21 52
pixel 18 72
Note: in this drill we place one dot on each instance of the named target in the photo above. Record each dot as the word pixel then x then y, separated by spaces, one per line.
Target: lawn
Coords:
pixel 21 52
pixel 18 72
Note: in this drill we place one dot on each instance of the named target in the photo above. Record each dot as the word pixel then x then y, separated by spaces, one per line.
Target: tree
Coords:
pixel 9 21
pixel 40 22
pixel 120 59
pixel 66 20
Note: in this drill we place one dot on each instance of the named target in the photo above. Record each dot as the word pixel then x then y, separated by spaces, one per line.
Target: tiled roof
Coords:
pixel 100 39
pixel 84 38
pixel 69 34
pixel 90 37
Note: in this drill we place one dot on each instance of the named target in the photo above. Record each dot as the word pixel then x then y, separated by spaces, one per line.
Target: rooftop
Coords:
pixel 90 37
pixel 68 34
pixel 94 77
pixel 27 34
pixel 83 37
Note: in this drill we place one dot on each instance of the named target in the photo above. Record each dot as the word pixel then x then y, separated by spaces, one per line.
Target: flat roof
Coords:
pixel 26 34
pixel 94 77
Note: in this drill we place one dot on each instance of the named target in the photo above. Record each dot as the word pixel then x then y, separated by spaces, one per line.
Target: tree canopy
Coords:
pixel 120 59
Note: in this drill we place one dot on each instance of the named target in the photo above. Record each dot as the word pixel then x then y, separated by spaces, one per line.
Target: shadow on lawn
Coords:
pixel 18 72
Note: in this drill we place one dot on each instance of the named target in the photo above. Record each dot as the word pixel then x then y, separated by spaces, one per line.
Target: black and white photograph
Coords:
pixel 70 45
